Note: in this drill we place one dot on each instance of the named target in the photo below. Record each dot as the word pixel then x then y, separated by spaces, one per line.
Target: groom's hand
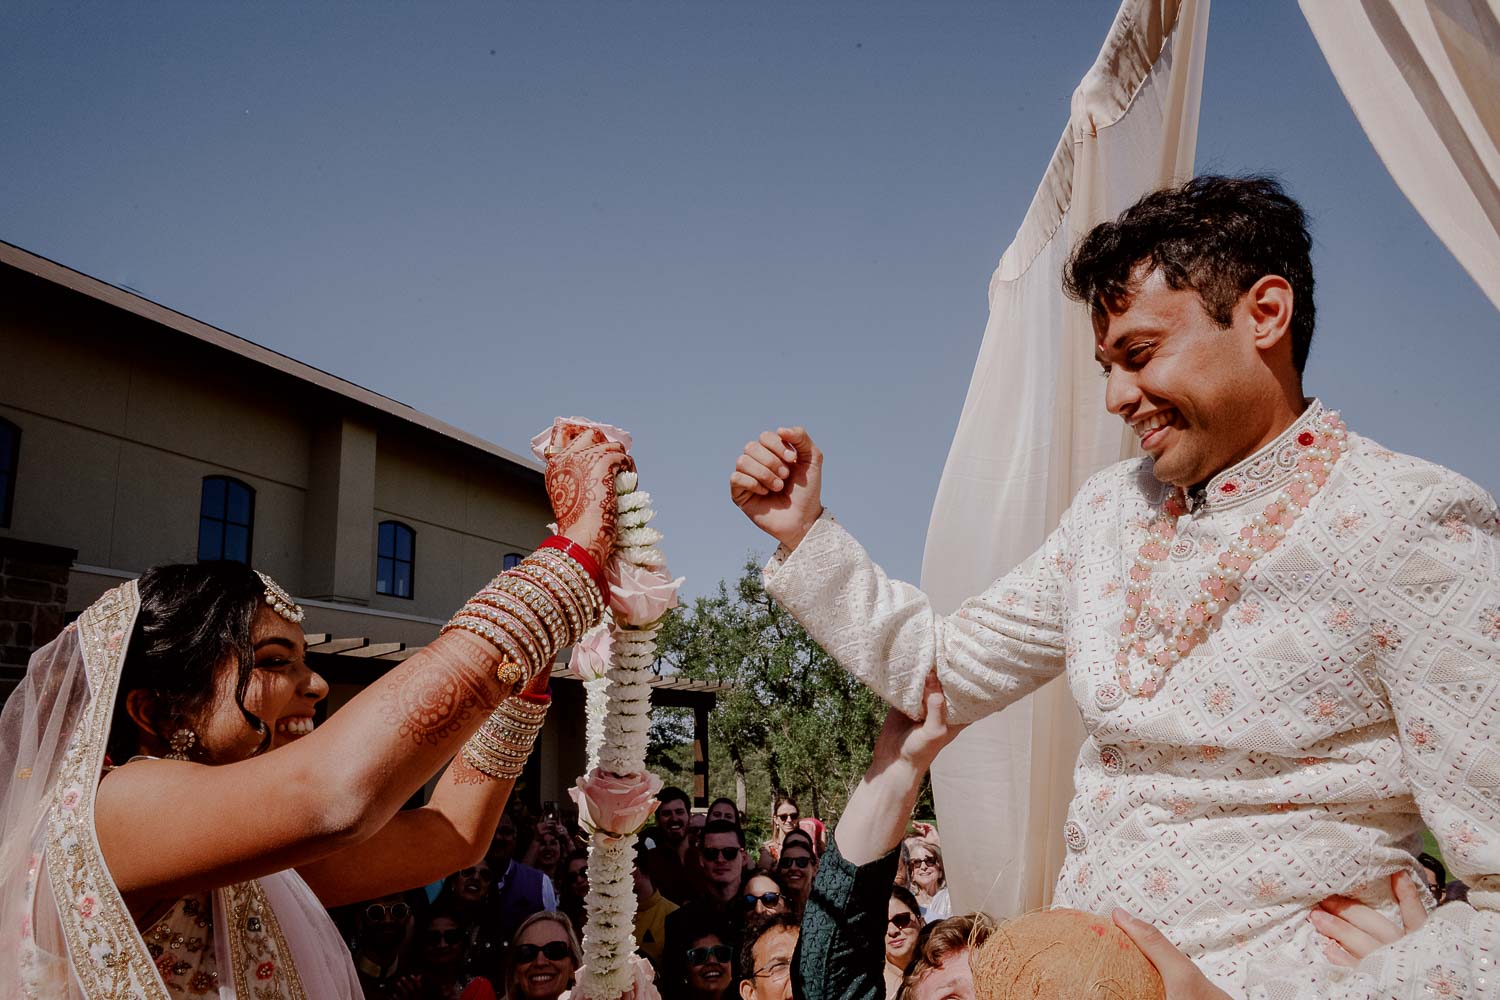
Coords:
pixel 778 483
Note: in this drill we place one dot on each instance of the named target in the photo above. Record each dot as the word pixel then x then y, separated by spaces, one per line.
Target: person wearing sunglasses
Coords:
pixel 383 929
pixel 721 861
pixel 543 959
pixel 784 817
pixel 798 866
pixel 764 894
pixel 903 924
pixel 441 943
pixel 927 880
pixel 707 965
pixel 468 895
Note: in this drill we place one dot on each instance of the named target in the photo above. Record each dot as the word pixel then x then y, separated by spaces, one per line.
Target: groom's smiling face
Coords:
pixel 1194 392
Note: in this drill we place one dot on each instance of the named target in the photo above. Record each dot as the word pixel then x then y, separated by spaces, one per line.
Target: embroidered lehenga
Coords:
pixel 64 928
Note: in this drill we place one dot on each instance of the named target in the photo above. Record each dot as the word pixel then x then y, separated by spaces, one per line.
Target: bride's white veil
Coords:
pixel 65 930
pixel 41 724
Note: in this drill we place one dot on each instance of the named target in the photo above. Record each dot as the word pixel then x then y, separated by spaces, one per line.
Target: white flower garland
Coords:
pixel 619 724
pixel 595 705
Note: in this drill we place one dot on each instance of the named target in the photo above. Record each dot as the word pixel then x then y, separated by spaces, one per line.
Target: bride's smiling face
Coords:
pixel 282 692
pixel 283 689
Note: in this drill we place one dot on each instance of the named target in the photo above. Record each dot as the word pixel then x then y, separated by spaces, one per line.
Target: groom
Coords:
pixel 1284 639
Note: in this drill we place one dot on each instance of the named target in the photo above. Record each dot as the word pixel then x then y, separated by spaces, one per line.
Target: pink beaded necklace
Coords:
pixel 1146 616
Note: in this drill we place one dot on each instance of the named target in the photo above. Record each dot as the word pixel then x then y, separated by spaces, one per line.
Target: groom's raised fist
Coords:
pixel 778 482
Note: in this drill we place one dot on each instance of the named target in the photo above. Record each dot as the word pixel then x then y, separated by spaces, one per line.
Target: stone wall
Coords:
pixel 33 594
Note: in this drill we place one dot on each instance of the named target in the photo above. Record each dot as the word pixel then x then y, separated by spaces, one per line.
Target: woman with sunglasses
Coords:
pixel 442 975
pixel 765 894
pixel 708 967
pixel 543 958
pixel 797 866
pixel 927 880
pixel 903 924
pixel 468 894
pixel 784 817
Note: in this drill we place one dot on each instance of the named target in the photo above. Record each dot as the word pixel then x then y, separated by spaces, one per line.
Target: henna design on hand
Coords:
pixel 461 772
pixel 429 698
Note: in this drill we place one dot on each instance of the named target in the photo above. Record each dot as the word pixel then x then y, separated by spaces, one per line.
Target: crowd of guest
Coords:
pixel 717 919
pixel 510 926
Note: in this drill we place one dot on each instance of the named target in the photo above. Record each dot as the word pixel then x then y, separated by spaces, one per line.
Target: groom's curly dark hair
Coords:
pixel 1215 235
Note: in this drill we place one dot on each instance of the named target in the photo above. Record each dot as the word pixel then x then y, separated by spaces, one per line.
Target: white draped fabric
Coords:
pixel 1424 81
pixel 1034 428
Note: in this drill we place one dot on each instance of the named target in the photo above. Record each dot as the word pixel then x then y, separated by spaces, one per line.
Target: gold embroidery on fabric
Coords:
pixel 263 966
pixel 108 956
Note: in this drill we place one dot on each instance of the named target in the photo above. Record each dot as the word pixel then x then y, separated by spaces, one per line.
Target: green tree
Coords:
pixel 790 712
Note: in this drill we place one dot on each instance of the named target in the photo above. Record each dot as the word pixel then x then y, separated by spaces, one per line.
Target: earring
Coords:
pixel 182 741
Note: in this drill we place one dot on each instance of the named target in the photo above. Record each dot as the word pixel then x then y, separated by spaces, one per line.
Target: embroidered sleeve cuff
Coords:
pixel 781 555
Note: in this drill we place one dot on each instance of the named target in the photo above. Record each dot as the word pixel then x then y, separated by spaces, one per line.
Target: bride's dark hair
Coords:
pixel 192 617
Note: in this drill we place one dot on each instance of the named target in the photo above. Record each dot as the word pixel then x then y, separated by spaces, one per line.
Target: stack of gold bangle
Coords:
pixel 502 743
pixel 531 611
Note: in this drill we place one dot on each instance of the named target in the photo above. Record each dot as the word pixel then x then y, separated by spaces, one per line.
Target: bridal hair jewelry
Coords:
pixel 1146 616
pixel 280 601
pixel 502 743
pixel 532 610
pixel 182 743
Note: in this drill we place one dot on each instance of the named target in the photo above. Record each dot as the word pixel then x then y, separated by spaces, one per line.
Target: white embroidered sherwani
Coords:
pixel 1350 698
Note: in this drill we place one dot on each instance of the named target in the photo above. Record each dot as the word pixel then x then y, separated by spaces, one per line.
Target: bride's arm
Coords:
pixel 419 846
pixel 171 827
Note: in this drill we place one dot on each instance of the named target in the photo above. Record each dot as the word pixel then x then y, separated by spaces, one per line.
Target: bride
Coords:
pixel 153 847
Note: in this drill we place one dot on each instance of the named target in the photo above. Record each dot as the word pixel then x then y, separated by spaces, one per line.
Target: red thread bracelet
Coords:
pixel 581 556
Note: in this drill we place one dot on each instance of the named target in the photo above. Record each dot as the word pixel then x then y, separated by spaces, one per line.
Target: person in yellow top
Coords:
pixel 651 909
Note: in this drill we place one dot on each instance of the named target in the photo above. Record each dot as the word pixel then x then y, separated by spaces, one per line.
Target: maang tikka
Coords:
pixel 280 601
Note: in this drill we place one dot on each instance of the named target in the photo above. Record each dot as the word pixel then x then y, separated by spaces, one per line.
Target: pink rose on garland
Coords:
pixel 541 441
pixel 613 804
pixel 640 595
pixel 590 659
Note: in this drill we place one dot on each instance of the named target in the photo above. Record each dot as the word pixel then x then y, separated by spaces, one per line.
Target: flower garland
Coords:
pixel 618 795
pixel 1177 634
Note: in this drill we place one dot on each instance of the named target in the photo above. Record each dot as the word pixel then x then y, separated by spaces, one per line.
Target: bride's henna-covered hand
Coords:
pixel 581 485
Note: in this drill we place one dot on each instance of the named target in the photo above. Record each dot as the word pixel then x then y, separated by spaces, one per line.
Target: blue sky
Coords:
pixel 692 219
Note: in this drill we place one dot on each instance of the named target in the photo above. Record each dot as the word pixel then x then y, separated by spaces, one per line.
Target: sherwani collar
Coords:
pixel 1264 472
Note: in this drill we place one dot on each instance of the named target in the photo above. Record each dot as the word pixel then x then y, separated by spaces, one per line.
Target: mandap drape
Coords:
pixel 1033 428
pixel 1424 81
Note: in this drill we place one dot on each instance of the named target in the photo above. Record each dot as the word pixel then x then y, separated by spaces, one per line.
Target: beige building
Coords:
pixel 132 435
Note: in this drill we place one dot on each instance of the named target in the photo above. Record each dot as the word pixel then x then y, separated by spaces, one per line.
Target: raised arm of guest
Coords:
pixel 995 649
pixel 163 824
pixel 841 954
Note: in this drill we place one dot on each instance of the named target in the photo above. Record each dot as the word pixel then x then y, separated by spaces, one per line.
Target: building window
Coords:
pixel 396 560
pixel 511 561
pixel 10 454
pixel 226 520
